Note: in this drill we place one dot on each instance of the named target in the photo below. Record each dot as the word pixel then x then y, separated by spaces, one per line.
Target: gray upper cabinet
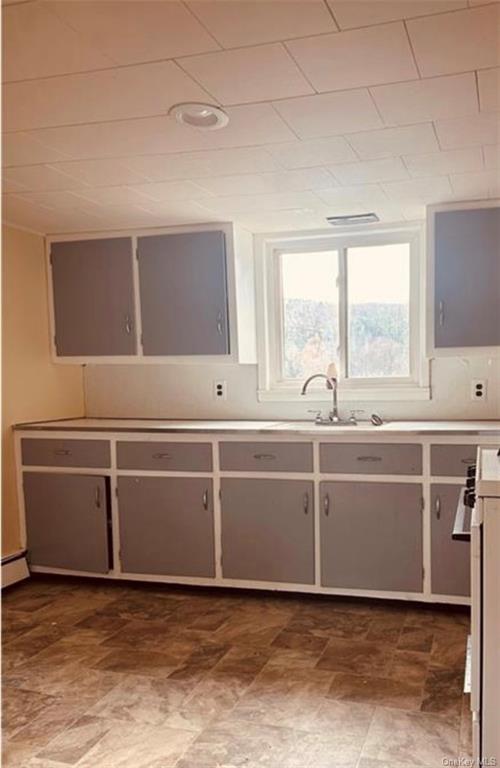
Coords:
pixel 67 521
pixel 93 295
pixel 268 530
pixel 467 278
pixel 183 290
pixel 167 525
pixel 450 559
pixel 371 536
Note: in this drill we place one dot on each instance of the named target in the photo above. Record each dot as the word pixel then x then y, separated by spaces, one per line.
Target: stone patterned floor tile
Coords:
pixel 53 719
pixel 443 691
pixel 19 707
pixel 93 630
pixel 17 754
pixel 382 691
pixel 15 623
pixel 29 644
pixel 75 742
pixel 128 661
pixel 416 639
pixel 150 636
pixel 337 624
pixel 410 737
pixel 138 606
pixel 244 628
pixel 448 649
pixel 289 700
pixel 238 744
pixel 448 619
pixel 129 675
pixel 410 666
pixel 132 745
pixel 386 628
pixel 357 657
pixel 307 643
pixel 137 699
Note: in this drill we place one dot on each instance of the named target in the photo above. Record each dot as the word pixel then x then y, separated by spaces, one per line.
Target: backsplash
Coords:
pixel 186 391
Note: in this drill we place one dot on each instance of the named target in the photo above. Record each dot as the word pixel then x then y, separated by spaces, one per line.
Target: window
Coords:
pixel 353 301
pixel 378 303
pixel 310 312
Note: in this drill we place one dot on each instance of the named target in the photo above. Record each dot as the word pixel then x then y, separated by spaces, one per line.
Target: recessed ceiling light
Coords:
pixel 206 117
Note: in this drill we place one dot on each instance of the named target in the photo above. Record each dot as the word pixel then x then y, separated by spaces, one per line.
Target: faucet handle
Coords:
pixel 352 417
pixel 317 414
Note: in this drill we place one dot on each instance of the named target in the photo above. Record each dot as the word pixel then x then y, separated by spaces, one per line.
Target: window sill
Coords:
pixel 354 395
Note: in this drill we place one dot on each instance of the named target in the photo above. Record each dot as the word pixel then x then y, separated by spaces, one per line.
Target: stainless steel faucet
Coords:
pixel 331 383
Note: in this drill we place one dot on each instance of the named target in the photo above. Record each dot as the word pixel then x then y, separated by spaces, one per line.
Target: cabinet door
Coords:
pixel 371 536
pixel 67 521
pixel 166 525
pixel 184 294
pixel 93 297
pixel 268 530
pixel 450 559
pixel 467 278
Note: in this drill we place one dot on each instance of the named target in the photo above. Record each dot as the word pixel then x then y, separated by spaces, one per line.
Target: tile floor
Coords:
pixel 103 675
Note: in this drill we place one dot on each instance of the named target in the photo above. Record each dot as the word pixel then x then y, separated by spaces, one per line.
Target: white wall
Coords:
pixel 33 387
pixel 186 391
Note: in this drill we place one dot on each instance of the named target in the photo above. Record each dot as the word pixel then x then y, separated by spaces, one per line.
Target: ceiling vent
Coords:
pixel 355 218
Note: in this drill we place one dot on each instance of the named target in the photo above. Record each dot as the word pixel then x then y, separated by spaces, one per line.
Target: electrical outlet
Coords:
pixel 478 389
pixel 220 389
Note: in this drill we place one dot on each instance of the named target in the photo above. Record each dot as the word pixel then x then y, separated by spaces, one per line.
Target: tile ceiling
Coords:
pixel 335 106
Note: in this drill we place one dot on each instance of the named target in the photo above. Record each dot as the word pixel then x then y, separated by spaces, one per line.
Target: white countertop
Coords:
pixel 264 427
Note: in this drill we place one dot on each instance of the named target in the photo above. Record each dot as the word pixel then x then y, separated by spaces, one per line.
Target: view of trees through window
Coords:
pixel 377 343
pixel 310 312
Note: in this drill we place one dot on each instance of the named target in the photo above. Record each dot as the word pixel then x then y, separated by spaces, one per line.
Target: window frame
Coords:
pixel 270 305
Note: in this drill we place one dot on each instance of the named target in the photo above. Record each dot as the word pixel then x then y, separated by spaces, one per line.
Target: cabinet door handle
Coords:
pixel 205 499
pixel 468 461
pixel 220 329
pixel 369 458
pixel 326 504
pixel 441 313
pixel 161 456
pixel 62 452
pixel 264 456
pixel 128 325
pixel 437 507
pixel 306 503
pixel 98 497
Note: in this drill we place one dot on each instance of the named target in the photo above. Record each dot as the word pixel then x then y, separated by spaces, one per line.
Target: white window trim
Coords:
pixel 269 308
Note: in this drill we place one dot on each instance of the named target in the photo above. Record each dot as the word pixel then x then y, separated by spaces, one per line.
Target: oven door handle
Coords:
pixel 461 530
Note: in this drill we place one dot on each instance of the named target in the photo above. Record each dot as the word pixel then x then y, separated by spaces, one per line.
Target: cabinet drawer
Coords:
pixel 371 458
pixel 182 457
pixel 452 460
pixel 266 457
pixel 54 452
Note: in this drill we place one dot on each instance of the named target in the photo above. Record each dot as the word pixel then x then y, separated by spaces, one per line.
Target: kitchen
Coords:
pixel 251 383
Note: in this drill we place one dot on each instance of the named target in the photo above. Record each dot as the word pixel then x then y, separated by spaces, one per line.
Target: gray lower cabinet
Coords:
pixel 371 536
pixel 166 525
pixel 183 290
pixel 67 521
pixel 467 278
pixel 450 559
pixel 92 282
pixel 268 530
